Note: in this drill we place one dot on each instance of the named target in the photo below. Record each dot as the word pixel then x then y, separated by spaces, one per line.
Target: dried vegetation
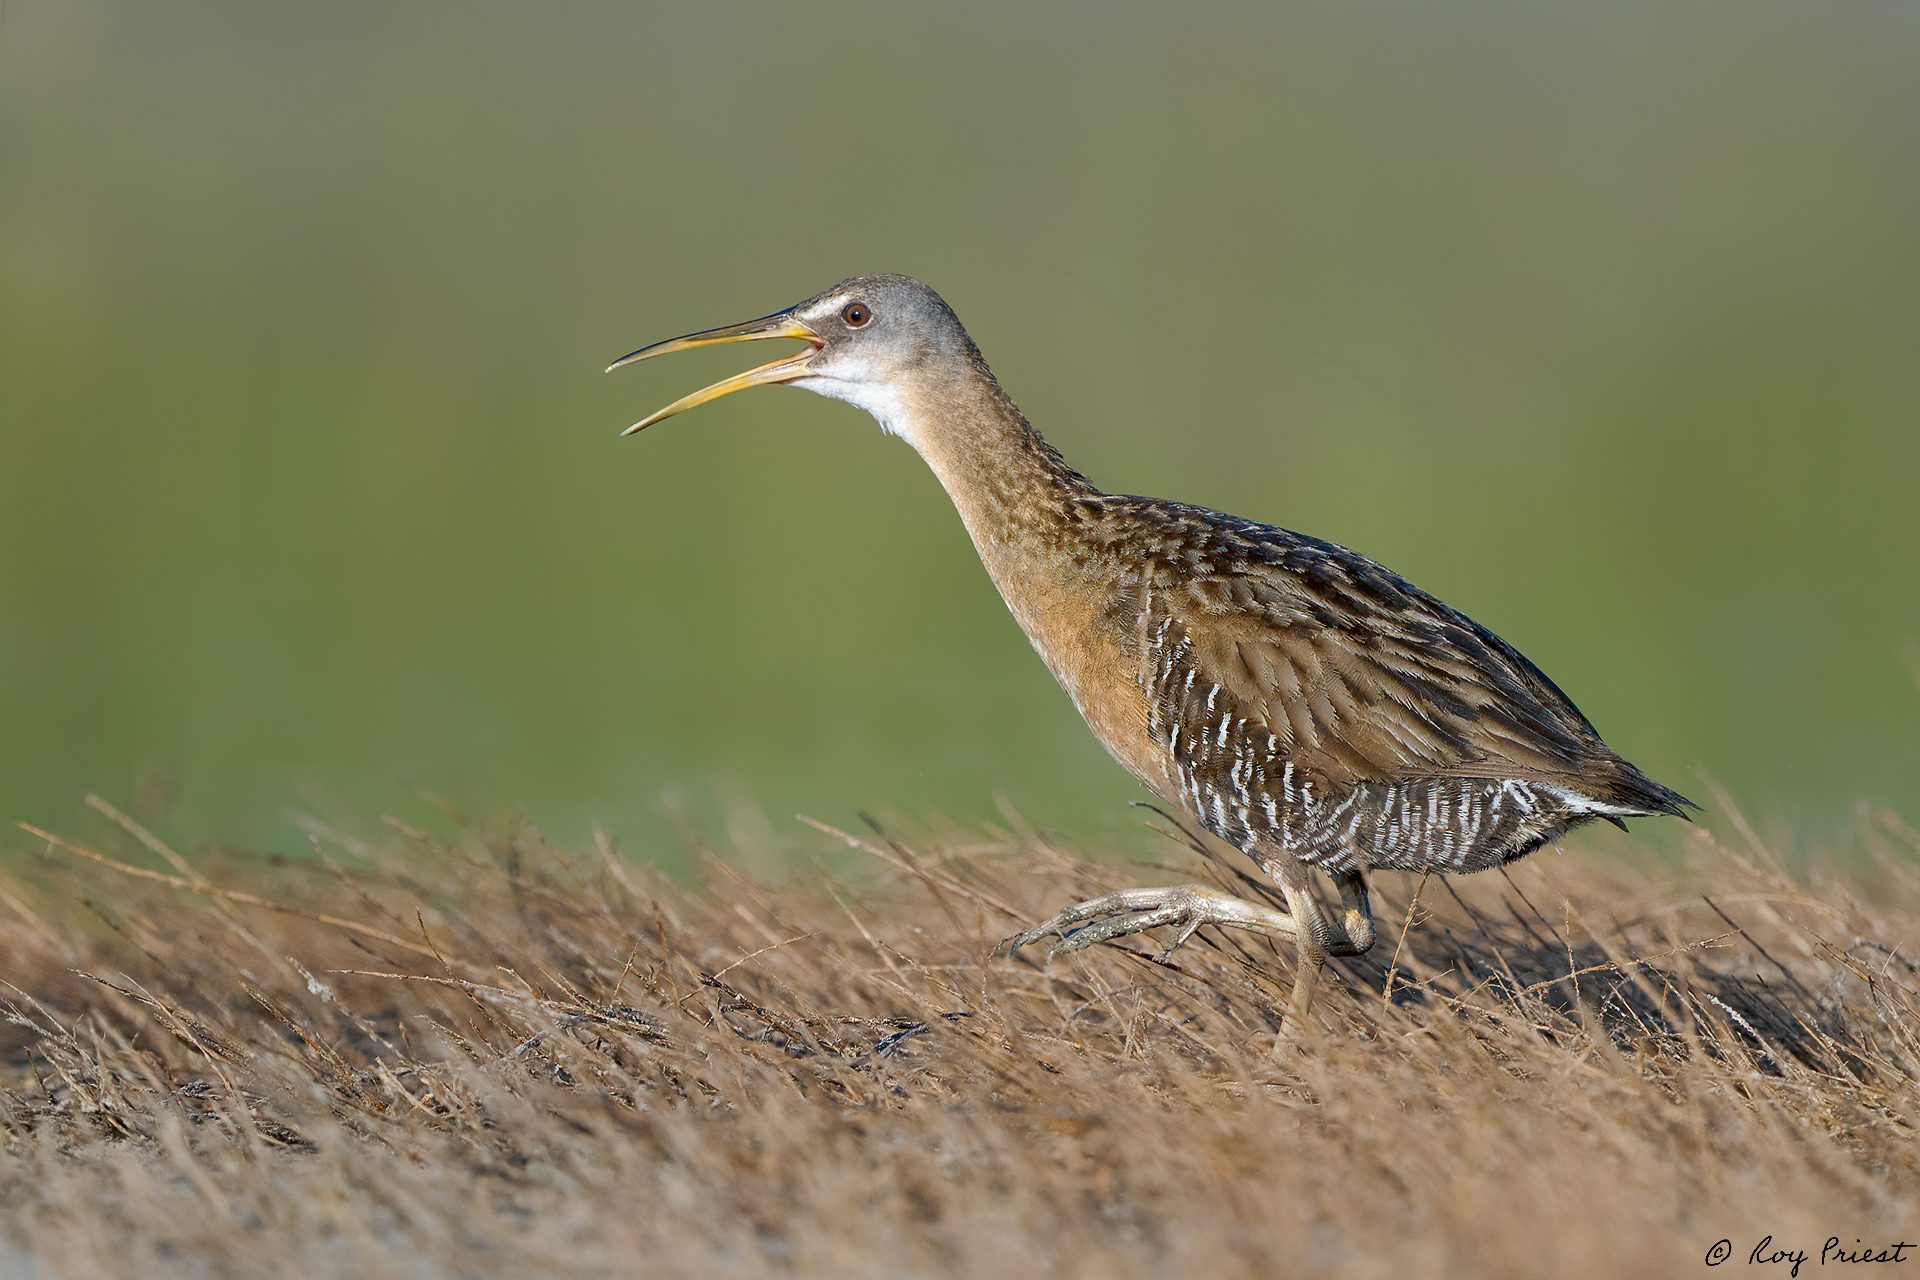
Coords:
pixel 472 1056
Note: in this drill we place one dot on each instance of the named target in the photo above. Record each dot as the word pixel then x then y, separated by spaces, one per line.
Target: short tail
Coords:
pixel 1634 791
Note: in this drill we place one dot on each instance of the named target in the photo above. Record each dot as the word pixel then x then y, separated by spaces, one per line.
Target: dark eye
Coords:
pixel 856 314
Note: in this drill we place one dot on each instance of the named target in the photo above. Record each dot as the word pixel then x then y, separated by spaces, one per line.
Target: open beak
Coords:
pixel 781 324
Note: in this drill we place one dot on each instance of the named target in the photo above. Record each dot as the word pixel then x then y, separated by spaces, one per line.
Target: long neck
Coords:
pixel 1012 489
pixel 1032 519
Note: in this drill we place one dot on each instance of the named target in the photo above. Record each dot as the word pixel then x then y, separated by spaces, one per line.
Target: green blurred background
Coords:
pixel 1599 321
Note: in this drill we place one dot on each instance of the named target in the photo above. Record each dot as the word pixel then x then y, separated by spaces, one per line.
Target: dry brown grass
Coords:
pixel 432 1057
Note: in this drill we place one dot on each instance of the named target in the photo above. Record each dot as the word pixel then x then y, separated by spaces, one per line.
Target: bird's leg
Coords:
pixel 1316 936
pixel 1115 915
pixel 1354 934
pixel 1187 907
pixel 1310 936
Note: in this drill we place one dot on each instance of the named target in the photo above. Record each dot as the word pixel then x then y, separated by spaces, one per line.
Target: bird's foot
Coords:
pixel 1116 915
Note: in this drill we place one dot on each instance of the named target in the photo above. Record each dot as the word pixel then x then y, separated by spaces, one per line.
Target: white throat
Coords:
pixel 884 402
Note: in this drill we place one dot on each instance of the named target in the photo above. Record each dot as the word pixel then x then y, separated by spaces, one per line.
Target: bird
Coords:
pixel 1293 698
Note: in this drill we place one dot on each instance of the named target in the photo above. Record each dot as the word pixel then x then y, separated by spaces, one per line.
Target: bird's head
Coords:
pixel 870 341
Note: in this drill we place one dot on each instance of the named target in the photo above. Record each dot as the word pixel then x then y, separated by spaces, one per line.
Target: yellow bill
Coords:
pixel 779 325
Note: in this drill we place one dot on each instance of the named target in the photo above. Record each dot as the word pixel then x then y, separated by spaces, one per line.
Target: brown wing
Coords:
pixel 1356 673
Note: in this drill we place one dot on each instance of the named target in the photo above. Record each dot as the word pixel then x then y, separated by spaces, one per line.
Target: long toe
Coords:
pixel 1123 902
pixel 1112 927
pixel 1129 911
